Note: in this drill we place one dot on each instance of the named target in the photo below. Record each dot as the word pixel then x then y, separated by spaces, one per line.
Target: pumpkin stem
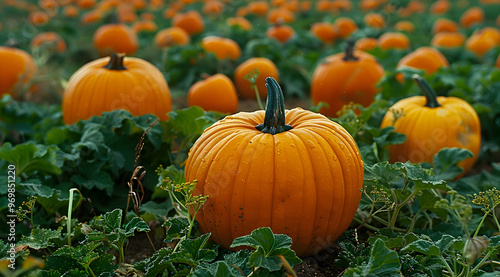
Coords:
pixel 116 62
pixel 274 120
pixel 430 94
pixel 349 51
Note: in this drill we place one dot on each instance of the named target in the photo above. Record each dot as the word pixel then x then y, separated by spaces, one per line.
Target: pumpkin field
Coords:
pixel 250 138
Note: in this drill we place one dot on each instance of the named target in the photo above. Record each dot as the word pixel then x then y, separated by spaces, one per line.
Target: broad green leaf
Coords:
pixel 445 162
pixel 136 224
pixel 219 268
pixel 261 237
pixel 100 180
pixel 382 173
pixel 195 248
pixel 392 239
pixel 382 262
pixel 159 210
pixel 425 247
pixel 29 158
pixel 105 264
pixel 177 227
pixel 422 178
pixel 189 122
pixel 259 259
pixel 40 238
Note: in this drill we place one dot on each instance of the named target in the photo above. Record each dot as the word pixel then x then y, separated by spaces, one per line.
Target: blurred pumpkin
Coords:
pixel 213 7
pixel 115 37
pixel 259 8
pixel 472 16
pixel 374 20
pixel 404 26
pixel 282 33
pixel 344 27
pixel 113 83
pixel 190 21
pixel 345 78
pixel 171 36
pixel 294 171
pixel 16 71
pixel 444 25
pixel 278 16
pixel 215 93
pixel 440 7
pixel 483 40
pixel 144 26
pixel 240 21
pixel 448 40
pixel 264 66
pixel 442 121
pixel 222 48
pixel 324 31
pixel 366 44
pixel 50 41
pixel 393 40
pixel 426 58
pixel 38 18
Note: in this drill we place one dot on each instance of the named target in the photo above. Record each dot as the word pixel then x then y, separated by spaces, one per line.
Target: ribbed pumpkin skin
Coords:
pixel 140 89
pixel 428 130
pixel 338 82
pixel 304 182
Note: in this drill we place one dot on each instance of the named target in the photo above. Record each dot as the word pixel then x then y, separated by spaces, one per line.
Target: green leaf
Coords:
pixel 136 224
pixel 41 238
pixel 219 268
pixel 383 262
pixel 29 158
pixel 195 248
pixel 446 160
pixel 100 180
pixel 189 122
pixel 268 247
pixel 159 210
pixel 422 246
pixel 422 178
pixel 177 228
pixel 382 173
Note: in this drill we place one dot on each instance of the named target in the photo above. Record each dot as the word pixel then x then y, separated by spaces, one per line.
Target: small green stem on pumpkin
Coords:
pixel 430 94
pixel 349 51
pixel 116 62
pixel 274 120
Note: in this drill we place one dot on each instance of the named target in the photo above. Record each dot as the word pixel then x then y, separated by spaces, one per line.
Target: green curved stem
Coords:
pixel 274 120
pixel 430 94
pixel 116 62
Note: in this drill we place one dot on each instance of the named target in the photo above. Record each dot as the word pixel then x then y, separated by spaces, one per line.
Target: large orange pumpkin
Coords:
pixel 114 83
pixel 431 123
pixel 16 69
pixel 346 78
pixel 294 171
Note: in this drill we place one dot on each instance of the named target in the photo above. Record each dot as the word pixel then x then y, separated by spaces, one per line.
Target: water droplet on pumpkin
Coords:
pixel 292 145
pixel 341 146
pixel 334 158
pixel 311 144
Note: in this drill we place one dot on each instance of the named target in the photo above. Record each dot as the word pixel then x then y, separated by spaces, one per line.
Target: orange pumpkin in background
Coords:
pixel 426 58
pixel 447 121
pixel 259 8
pixel 222 48
pixel 366 44
pixel 324 31
pixel 16 71
pixel 374 20
pixel 404 26
pixel 344 27
pixel 115 37
pixel 282 33
pixel 191 21
pixel 472 16
pixel 345 78
pixel 392 40
pixel 241 22
pixel 113 83
pixel 171 36
pixel 278 16
pixel 483 40
pixel 444 25
pixel 215 93
pixel 264 66
pixel 440 7
pixel 49 40
pixel 294 171
pixel 448 40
